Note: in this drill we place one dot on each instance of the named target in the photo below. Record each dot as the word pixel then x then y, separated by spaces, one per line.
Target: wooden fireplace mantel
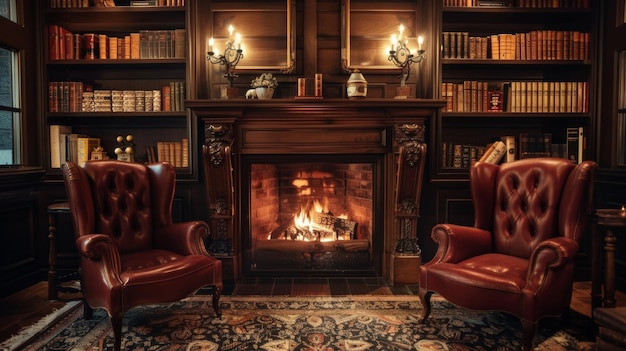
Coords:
pixel 396 130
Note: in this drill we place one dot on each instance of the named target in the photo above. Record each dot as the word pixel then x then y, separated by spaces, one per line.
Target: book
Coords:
pixel 575 144
pixel 84 147
pixel 57 144
pixel 509 141
pixel 494 154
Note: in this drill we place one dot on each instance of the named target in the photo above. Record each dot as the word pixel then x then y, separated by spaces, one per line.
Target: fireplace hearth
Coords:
pixel 320 187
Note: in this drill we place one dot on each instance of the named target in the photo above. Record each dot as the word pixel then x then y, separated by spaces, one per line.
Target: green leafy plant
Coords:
pixel 265 80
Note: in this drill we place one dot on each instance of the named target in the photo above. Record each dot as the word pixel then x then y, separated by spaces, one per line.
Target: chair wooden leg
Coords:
pixel 217 293
pixel 528 334
pixel 87 310
pixel 116 325
pixel 426 305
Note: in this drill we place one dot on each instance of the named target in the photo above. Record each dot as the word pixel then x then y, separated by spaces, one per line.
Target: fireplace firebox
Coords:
pixel 310 214
pixel 329 186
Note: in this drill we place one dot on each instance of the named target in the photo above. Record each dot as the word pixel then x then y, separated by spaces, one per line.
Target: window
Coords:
pixel 9 93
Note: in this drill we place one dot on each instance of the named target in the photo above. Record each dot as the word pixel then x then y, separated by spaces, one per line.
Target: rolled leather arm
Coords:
pixel 457 242
pixel 184 238
pixel 99 247
pixel 550 255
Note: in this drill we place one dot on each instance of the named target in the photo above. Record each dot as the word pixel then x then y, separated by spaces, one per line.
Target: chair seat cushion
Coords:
pixel 154 265
pixel 481 279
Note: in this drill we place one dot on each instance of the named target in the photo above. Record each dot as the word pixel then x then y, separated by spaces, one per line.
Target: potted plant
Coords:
pixel 264 85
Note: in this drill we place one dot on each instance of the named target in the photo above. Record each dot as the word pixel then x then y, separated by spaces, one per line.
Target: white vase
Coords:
pixel 357 85
pixel 264 93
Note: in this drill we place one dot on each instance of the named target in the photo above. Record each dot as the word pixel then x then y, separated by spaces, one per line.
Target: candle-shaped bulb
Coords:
pixel 394 40
pixel 231 29
pixel 238 41
pixel 211 42
pixel 623 211
pixel 420 41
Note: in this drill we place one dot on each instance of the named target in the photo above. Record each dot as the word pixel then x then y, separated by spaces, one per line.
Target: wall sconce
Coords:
pixel 402 57
pixel 230 58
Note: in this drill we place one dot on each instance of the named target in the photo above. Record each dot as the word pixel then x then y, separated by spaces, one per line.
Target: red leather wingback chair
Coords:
pixel 529 218
pixel 131 252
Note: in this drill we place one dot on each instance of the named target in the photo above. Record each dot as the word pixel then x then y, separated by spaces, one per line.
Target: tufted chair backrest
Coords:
pixel 527 201
pixel 126 201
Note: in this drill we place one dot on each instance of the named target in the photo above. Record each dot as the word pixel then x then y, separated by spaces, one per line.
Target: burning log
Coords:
pixel 327 228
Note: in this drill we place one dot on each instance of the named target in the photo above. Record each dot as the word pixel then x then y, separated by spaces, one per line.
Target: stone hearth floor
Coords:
pixel 314 286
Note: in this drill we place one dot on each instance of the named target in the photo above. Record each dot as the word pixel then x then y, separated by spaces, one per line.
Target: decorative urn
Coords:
pixel 357 85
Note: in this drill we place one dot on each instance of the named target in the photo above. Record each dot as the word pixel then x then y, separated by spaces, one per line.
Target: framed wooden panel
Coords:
pixel 267 30
pixel 367 28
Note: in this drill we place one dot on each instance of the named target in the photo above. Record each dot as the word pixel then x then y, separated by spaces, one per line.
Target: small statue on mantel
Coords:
pixel 125 148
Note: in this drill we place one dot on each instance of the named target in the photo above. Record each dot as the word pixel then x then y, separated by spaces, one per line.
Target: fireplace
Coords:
pixel 350 171
pixel 311 213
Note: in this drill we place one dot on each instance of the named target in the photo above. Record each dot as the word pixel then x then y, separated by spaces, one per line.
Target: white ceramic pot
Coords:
pixel 264 93
pixel 357 85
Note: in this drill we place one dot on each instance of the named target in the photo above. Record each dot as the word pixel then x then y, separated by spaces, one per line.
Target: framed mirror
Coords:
pixel 367 28
pixel 265 33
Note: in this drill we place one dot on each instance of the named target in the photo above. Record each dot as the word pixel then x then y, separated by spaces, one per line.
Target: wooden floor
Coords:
pixel 28 306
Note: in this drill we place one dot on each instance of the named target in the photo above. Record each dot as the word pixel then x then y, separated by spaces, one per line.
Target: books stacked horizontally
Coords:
pixel 86 3
pixel 80 97
pixel 145 44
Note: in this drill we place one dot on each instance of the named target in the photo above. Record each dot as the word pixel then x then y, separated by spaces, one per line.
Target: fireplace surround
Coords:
pixel 265 159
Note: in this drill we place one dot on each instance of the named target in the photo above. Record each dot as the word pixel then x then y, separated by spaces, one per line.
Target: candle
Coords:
pixel 420 41
pixel 230 30
pixel 394 39
pixel 238 41
pixel 623 211
pixel 211 42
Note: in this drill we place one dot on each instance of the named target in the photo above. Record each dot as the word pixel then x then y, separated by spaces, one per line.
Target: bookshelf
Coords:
pixel 512 70
pixel 117 71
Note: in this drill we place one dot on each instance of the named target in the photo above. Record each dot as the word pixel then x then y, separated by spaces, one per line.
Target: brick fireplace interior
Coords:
pixel 308 215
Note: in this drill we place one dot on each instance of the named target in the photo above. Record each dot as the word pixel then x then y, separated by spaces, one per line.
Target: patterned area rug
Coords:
pixel 352 323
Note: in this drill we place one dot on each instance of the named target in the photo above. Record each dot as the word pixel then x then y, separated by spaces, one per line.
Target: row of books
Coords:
pixel 68 146
pixel 508 148
pixel 520 3
pixel 533 45
pixel 524 97
pixel 81 97
pixel 78 148
pixel 174 152
pixel 145 44
pixel 95 3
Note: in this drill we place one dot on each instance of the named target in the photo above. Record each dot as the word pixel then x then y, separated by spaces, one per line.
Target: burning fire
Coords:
pixel 316 223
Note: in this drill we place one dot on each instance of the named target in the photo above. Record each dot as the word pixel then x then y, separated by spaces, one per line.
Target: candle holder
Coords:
pixel 231 57
pixel 402 57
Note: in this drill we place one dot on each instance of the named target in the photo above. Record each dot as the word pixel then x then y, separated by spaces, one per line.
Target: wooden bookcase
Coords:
pixel 546 87
pixel 146 71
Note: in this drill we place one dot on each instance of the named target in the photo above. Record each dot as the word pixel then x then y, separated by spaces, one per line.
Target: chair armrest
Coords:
pixel 99 247
pixel 549 256
pixel 457 242
pixel 185 238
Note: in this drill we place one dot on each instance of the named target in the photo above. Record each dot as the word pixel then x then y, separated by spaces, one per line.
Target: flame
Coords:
pixel 304 221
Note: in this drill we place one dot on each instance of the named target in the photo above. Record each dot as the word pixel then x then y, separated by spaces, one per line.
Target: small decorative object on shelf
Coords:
pixel 125 148
pixel 98 153
pixel 357 85
pixel 232 54
pixel 402 57
pixel 264 86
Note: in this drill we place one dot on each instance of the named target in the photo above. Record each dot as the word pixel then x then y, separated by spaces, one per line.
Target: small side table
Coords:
pixel 54 281
pixel 608 220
